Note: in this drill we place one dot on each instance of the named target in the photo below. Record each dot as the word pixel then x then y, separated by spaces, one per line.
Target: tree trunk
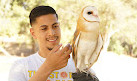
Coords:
pixel 4 51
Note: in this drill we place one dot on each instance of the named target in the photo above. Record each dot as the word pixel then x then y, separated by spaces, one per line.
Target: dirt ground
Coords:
pixel 109 67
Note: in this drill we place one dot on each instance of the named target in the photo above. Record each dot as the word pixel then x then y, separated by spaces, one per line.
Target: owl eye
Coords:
pixel 90 13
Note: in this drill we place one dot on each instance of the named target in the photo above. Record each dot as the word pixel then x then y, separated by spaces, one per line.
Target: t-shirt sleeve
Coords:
pixel 17 72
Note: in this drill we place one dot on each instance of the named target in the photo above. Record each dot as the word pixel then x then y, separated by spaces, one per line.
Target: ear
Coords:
pixel 33 33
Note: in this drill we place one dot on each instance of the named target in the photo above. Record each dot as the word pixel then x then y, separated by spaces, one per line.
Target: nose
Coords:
pixel 51 32
pixel 95 15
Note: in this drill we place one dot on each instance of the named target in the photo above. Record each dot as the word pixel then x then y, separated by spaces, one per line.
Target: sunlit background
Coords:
pixel 117 61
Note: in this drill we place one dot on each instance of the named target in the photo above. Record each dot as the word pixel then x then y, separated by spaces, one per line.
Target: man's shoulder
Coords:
pixel 20 67
pixel 25 59
pixel 33 56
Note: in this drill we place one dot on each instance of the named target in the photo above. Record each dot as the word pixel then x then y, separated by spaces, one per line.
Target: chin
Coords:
pixel 52 46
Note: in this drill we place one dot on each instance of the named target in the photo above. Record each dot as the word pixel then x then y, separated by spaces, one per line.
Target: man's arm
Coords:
pixel 56 60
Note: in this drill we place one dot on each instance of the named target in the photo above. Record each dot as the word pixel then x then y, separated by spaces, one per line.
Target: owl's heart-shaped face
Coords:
pixel 90 14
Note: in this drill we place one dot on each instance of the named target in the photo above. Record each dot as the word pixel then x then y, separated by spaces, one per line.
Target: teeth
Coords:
pixel 52 40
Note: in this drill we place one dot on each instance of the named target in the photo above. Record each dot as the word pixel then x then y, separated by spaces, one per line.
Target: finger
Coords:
pixel 64 65
pixel 67 54
pixel 56 48
pixel 66 48
pixel 65 62
pixel 66 57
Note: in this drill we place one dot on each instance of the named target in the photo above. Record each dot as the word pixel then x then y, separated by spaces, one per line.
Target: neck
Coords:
pixel 44 52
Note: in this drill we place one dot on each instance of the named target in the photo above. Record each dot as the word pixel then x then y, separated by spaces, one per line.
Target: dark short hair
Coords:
pixel 39 11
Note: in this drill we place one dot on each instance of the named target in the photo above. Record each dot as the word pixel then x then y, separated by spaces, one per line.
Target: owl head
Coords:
pixel 90 14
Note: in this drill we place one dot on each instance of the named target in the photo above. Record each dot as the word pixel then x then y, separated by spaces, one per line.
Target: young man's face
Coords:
pixel 47 31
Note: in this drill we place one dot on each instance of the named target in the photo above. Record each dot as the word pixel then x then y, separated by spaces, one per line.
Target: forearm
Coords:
pixel 42 74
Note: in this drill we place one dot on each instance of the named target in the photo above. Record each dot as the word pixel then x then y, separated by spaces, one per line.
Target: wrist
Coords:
pixel 48 68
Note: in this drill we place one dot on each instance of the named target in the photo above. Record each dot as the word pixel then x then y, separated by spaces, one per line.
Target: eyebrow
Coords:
pixel 43 26
pixel 55 23
pixel 47 26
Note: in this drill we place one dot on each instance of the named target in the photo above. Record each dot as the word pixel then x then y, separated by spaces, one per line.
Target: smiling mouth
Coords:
pixel 52 39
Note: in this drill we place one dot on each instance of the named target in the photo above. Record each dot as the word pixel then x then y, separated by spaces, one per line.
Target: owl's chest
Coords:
pixel 87 41
pixel 88 36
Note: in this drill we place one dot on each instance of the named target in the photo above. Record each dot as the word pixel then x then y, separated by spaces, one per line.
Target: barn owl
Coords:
pixel 87 42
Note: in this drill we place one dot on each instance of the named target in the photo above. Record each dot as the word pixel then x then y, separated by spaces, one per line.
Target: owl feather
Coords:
pixel 87 42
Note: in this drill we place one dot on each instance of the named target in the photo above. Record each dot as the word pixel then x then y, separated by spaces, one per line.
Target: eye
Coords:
pixel 90 12
pixel 55 26
pixel 44 29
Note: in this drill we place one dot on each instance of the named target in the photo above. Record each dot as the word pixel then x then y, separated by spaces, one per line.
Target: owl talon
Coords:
pixel 87 65
pixel 86 69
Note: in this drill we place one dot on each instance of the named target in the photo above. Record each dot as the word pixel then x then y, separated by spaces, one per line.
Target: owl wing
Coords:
pixel 75 46
pixel 96 53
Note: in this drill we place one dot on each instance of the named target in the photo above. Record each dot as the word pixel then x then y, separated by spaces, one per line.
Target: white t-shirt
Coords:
pixel 24 69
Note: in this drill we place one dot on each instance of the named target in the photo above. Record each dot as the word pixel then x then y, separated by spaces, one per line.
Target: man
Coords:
pixel 50 63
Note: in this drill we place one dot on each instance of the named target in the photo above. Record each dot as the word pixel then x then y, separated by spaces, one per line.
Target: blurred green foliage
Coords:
pixel 118 21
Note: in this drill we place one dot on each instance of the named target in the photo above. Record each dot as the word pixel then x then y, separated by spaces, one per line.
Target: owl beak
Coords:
pixel 95 15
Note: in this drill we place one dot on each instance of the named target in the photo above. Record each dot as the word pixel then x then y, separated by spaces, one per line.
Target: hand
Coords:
pixel 57 58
